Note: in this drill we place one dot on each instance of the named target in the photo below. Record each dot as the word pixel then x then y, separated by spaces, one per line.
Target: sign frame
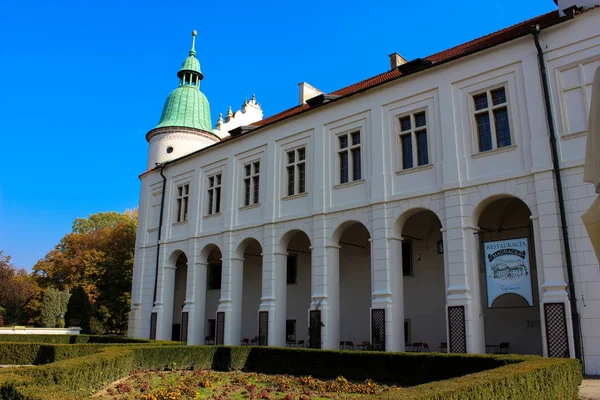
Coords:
pixel 513 253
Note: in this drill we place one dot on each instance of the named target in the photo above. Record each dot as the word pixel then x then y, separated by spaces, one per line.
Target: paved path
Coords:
pixel 590 388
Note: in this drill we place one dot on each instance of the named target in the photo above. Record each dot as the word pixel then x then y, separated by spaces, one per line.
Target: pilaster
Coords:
pixel 325 282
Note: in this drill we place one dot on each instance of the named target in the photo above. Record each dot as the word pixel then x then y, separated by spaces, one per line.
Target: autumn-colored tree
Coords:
pixel 98 257
pixel 17 288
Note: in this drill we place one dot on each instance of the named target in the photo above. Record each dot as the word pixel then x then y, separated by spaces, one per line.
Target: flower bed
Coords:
pixel 207 384
pixel 426 376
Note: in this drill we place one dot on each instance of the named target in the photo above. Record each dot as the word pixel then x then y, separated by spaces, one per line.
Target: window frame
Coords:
pixel 349 150
pixel 211 325
pixel 214 207
pixel 295 166
pixel 563 88
pixel 413 132
pixel 490 111
pixel 182 203
pixel 251 183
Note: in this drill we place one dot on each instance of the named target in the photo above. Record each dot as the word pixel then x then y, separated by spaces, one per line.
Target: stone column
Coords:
pixel 550 254
pixel 273 299
pixel 135 314
pixel 195 303
pixel 382 276
pixel 396 342
pixel 325 283
pixel 163 306
pixel 230 302
pixel 462 254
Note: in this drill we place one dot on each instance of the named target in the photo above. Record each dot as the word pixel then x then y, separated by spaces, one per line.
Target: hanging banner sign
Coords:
pixel 507 269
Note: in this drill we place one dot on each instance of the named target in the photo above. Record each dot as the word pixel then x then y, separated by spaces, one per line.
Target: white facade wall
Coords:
pixel 456 186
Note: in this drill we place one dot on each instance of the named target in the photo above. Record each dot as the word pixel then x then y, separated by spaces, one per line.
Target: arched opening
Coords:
pixel 355 285
pixel 251 290
pixel 508 278
pixel 423 277
pixel 179 293
pixel 298 288
pixel 214 272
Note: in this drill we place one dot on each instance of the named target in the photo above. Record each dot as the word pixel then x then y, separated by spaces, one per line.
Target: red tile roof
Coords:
pixel 482 43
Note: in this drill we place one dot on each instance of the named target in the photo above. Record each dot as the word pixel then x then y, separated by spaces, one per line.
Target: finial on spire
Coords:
pixel 193 50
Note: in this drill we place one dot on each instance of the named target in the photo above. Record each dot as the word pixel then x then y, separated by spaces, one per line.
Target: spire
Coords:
pixel 229 114
pixel 187 106
pixel 191 66
pixel 193 50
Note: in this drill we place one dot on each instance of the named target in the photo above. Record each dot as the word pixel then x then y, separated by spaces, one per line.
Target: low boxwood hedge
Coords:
pixel 41 353
pixel 485 377
pixel 72 339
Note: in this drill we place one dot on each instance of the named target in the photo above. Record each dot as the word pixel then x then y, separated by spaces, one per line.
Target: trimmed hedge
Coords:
pixel 40 353
pixel 406 369
pixel 486 377
pixel 72 339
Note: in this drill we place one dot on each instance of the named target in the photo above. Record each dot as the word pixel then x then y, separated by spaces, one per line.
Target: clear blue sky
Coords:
pixel 81 83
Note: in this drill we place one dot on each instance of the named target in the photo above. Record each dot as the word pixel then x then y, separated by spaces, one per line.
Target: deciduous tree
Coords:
pixel 97 256
pixel 17 288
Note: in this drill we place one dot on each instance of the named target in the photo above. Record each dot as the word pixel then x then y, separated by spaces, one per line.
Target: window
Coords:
pixel 183 195
pixel 407 267
pixel 491 119
pixel 413 140
pixel 214 194
pixel 407 334
pixel 290 330
pixel 292 269
pixel 214 276
pixel 251 183
pixel 212 328
pixel 576 94
pixel 296 171
pixel 349 157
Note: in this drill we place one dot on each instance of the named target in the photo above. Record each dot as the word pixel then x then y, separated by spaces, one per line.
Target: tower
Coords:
pixel 185 125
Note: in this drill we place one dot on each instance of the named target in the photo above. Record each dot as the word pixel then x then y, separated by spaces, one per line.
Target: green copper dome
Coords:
pixel 191 64
pixel 187 106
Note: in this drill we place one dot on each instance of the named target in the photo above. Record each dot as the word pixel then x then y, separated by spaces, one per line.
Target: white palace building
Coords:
pixel 436 206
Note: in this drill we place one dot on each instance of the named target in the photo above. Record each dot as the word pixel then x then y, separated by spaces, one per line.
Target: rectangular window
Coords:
pixel 292 269
pixel 296 171
pixel 290 330
pixel 252 183
pixel 407 267
pixel 214 194
pixel 407 334
pixel 491 119
pixel 212 328
pixel 413 140
pixel 182 201
pixel 214 276
pixel 349 155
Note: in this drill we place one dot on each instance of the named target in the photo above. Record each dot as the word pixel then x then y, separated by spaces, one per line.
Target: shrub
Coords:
pixel 486 377
pixel 73 339
pixel 406 369
pixel 79 309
